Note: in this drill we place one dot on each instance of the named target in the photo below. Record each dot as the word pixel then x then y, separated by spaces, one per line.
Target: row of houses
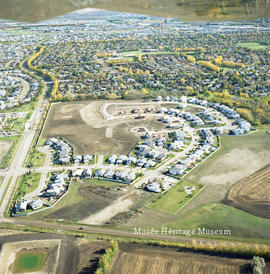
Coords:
pixel 63 150
pixel 110 174
pixel 57 185
pixel 24 205
pixel 85 159
pixel 190 160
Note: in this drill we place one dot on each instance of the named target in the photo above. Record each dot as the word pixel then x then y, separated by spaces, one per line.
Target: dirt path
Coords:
pixel 122 204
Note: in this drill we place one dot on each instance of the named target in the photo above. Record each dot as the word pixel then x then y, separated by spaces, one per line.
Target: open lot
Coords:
pixel 96 202
pixel 252 194
pixel 89 254
pixel 135 259
pixel 237 158
pixel 86 129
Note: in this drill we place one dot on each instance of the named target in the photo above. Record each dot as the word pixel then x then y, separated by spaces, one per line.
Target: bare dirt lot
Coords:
pixel 252 194
pixel 137 259
pixel 89 254
pixel 85 127
pixel 122 204
pixel 90 199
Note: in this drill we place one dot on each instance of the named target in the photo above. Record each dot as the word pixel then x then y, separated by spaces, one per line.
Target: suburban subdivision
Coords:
pixel 138 142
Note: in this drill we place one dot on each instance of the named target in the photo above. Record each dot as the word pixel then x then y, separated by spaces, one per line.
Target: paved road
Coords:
pixel 16 166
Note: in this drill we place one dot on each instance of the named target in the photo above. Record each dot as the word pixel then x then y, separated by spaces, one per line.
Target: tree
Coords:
pixel 257 265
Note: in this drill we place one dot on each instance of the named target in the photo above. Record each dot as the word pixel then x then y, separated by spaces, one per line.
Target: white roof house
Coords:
pixel 99 172
pixel 87 173
pixel 77 173
pixel 153 187
pixel 109 174
pixel 21 206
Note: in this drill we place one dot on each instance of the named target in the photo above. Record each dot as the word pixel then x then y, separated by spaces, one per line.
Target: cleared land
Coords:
pixel 86 129
pixel 96 202
pixel 237 158
pixel 145 259
pixel 252 194
pixel 89 254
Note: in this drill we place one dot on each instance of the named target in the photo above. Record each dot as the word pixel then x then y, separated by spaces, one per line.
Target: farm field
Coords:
pixel 174 198
pixel 135 259
pixel 252 194
pixel 252 45
pixel 84 127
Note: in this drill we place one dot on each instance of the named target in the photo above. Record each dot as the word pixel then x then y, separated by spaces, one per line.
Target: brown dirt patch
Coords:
pixel 145 259
pixel 252 194
pixel 93 199
pixel 89 254
pixel 85 128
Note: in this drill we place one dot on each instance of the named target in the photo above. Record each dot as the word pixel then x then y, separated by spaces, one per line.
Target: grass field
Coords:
pixel 35 159
pixel 6 159
pixel 219 216
pixel 174 198
pixel 27 183
pixel 253 45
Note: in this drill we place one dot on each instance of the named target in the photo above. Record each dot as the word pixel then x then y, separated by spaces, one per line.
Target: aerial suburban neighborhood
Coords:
pixel 140 125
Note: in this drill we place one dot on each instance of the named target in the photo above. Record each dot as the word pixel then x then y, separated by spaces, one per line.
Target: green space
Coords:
pixel 220 216
pixel 226 69
pixel 27 183
pixel 252 45
pixel 8 157
pixel 30 261
pixel 21 108
pixel 175 198
pixel 35 159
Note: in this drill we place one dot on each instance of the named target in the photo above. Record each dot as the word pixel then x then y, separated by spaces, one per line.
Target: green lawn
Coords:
pixel 29 182
pixel 8 157
pixel 219 216
pixel 174 198
pixel 225 69
pixel 253 45
pixel 35 159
